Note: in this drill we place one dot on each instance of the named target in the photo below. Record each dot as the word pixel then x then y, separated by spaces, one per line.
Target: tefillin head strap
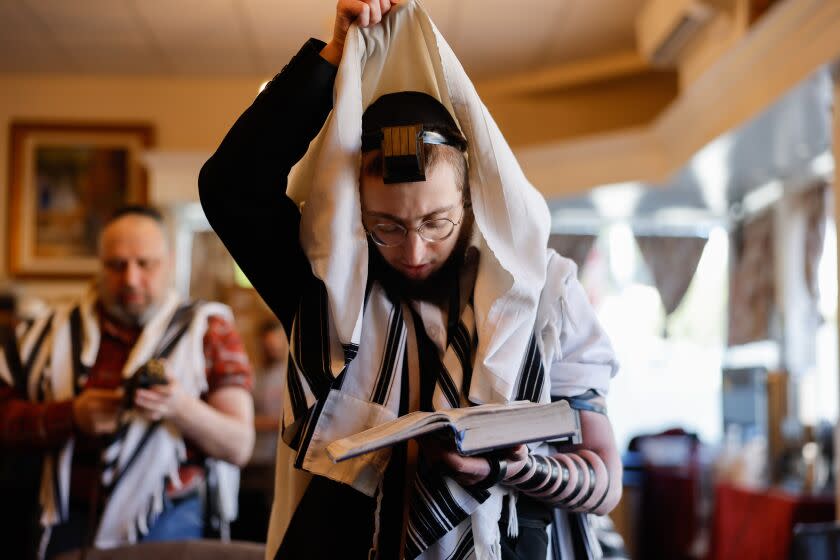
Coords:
pixel 402 124
pixel 404 151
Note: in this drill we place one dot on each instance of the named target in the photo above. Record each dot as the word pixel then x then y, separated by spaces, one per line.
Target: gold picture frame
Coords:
pixel 65 180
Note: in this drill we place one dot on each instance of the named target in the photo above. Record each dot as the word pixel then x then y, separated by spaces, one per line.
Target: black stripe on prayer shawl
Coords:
pixel 580 529
pixel 532 375
pixel 477 493
pixel 23 373
pixel 36 348
pixel 27 324
pixel 465 546
pixel 79 369
pixel 111 464
pixel 110 488
pixel 296 392
pixel 116 440
pixel 292 434
pixel 56 489
pixel 313 351
pixel 430 361
pixel 447 386
pixel 467 384
pixel 310 361
pixel 350 352
pixel 312 421
pixel 177 327
pixel 382 387
pixel 12 354
pixel 433 512
pixel 460 341
pixel 33 356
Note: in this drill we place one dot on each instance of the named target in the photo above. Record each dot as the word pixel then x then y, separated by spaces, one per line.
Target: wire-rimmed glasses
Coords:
pixel 392 234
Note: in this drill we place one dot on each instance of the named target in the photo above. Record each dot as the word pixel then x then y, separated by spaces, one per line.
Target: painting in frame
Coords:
pixel 65 180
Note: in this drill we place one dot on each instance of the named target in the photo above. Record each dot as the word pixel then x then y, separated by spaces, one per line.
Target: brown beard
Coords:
pixel 437 286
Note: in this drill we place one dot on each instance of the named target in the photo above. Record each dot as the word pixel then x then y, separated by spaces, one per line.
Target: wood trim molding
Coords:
pixel 784 47
pixel 568 167
pixel 566 75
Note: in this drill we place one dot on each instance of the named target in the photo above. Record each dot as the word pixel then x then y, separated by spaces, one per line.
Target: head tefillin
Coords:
pixel 401 125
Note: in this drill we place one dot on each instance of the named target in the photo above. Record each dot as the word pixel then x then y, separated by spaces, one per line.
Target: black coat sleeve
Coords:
pixel 242 186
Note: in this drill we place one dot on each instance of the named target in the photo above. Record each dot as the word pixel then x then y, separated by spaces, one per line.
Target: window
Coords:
pixel 818 388
pixel 670 367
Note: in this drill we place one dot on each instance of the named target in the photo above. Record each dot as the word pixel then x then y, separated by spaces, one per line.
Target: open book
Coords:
pixel 476 429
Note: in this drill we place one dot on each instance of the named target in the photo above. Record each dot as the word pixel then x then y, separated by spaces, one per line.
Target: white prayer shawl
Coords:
pixel 137 500
pixel 514 315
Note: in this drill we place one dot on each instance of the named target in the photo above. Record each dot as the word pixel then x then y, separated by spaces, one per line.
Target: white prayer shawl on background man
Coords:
pixel 139 484
pixel 511 301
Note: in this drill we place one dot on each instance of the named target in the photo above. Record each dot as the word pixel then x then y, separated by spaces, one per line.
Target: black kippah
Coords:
pixel 408 108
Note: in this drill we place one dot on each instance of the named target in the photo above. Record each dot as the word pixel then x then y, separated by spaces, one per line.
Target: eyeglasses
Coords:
pixel 392 234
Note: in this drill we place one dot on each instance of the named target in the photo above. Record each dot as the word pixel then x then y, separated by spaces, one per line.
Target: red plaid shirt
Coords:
pixel 50 425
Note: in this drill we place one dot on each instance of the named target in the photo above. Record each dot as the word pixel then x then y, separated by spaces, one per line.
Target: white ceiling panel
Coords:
pixel 203 61
pixel 278 29
pixel 593 28
pixel 191 22
pixel 214 32
pixel 31 56
pixel 493 38
pixel 16 22
pixel 499 37
pixel 88 21
pixel 116 59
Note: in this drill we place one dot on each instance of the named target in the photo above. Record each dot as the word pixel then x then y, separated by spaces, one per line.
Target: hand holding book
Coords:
pixel 467 470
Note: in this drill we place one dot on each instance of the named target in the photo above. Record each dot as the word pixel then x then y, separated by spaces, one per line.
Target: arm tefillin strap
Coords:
pixel 540 475
pixel 591 488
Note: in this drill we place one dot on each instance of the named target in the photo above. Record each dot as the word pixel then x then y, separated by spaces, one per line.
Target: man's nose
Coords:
pixel 414 249
pixel 132 274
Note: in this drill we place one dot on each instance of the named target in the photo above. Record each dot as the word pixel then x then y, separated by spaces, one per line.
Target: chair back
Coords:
pixel 816 541
pixel 204 549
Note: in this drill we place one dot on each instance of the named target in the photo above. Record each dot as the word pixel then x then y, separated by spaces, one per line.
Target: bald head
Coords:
pixel 135 267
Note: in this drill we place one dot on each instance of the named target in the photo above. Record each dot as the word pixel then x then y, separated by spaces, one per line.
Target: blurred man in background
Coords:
pixel 136 399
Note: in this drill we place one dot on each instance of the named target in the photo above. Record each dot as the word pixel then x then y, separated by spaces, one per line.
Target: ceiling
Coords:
pixel 257 37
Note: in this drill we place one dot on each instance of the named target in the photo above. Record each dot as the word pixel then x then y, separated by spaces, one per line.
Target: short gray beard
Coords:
pixel 123 317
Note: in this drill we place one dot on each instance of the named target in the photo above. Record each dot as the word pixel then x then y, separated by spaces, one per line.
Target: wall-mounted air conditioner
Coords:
pixel 664 28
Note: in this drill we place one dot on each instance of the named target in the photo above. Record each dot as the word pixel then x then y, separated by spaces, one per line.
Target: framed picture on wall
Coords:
pixel 65 180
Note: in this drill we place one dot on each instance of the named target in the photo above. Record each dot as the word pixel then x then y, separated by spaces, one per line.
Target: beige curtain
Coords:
pixel 814 204
pixel 572 246
pixel 752 291
pixel 673 262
